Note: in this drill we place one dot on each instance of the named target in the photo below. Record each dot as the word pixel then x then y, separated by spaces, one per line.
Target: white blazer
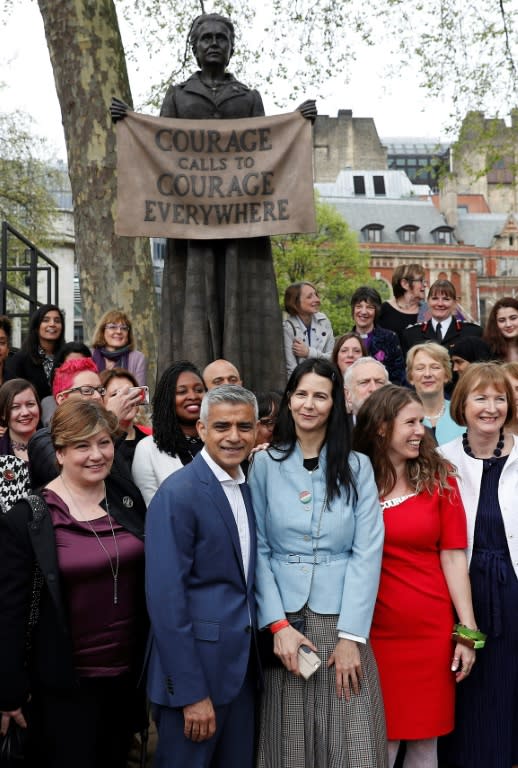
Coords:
pixel 151 467
pixel 470 475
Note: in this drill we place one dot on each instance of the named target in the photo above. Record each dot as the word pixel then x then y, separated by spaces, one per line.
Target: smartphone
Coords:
pixel 144 398
pixel 309 662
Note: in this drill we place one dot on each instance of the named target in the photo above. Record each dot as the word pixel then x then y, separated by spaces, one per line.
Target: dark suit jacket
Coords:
pixel 22 366
pixel 22 541
pixel 201 606
pixel 420 333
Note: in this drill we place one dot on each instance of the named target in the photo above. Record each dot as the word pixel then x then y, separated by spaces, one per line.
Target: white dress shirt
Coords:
pixel 237 504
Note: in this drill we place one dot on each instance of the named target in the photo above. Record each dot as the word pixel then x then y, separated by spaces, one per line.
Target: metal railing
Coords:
pixel 41 276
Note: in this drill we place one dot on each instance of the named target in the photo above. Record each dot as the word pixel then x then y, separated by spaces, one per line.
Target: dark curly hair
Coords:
pixel 167 433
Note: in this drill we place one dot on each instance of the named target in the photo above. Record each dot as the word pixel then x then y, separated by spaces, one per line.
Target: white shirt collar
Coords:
pixel 220 473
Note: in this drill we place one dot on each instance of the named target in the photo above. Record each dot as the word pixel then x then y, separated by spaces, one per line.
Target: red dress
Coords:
pixel 413 617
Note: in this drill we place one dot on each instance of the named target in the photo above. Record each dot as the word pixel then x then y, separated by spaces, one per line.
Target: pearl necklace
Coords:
pixel 82 518
pixel 436 415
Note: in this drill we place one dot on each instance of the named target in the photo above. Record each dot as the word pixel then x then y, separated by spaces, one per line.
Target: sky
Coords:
pixel 398 106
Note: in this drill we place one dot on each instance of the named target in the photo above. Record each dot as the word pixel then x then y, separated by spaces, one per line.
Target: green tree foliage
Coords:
pixel 25 179
pixel 330 258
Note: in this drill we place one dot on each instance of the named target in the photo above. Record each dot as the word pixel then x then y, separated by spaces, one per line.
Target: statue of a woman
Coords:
pixel 219 297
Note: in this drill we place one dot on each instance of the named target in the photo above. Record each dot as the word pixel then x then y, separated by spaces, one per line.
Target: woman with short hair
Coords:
pixel 408 287
pixel 428 370
pixel 113 346
pixel 81 666
pixel 381 344
pixel 486 459
pixel 307 331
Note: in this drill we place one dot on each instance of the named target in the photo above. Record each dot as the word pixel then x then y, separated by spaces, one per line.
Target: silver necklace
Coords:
pixel 114 570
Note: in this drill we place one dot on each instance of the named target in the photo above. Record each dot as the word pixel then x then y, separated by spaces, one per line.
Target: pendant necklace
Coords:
pixel 114 569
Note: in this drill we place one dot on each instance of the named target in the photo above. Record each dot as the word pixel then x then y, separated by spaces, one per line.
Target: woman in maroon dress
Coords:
pixel 424 575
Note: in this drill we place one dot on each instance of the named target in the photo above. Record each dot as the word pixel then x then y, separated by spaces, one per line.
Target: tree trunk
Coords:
pixel 89 68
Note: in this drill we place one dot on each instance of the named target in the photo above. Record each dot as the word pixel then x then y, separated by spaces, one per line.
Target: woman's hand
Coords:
pixel 118 110
pixel 299 348
pixel 348 668
pixel 462 662
pixel 308 109
pixel 286 643
pixel 18 718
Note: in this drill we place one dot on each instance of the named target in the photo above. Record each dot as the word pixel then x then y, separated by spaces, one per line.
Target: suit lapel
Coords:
pixel 219 500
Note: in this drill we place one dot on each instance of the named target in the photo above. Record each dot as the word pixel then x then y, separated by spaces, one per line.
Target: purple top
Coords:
pixel 102 633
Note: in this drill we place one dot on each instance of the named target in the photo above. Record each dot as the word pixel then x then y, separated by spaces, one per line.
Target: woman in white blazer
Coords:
pixel 320 538
pixel 486 458
pixel 307 332
pixel 175 441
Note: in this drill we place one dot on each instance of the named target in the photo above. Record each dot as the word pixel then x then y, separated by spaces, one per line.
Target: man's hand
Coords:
pixel 199 720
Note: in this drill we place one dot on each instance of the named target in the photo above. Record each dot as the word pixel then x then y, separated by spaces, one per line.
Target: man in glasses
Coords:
pixel 77 379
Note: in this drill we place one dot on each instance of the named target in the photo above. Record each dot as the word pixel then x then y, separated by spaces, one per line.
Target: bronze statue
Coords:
pixel 219 297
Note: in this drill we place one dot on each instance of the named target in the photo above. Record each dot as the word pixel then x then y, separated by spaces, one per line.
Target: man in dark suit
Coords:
pixel 443 327
pixel 200 563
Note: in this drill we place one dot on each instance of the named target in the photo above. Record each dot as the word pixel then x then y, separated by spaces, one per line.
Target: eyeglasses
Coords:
pixel 85 391
pixel 266 422
pixel 116 327
pixel 418 280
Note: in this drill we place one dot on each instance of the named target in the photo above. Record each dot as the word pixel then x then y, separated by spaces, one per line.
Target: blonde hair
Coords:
pixel 76 420
pixel 436 352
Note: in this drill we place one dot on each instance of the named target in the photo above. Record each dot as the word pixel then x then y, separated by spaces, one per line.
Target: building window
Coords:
pixel 443 235
pixel 359 185
pixel 379 185
pixel 408 235
pixel 372 233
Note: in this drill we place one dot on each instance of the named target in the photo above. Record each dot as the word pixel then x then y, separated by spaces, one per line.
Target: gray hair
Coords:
pixel 361 361
pixel 227 393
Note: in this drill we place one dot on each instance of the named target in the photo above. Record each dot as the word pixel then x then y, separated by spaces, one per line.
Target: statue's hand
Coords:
pixel 118 109
pixel 308 109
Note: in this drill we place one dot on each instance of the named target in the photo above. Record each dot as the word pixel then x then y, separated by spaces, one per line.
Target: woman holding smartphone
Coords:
pixel 320 538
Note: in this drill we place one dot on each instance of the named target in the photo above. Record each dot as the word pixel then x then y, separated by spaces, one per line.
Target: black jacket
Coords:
pixel 420 333
pixel 22 543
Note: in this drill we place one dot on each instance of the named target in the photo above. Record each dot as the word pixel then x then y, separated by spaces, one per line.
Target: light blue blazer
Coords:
pixel 287 501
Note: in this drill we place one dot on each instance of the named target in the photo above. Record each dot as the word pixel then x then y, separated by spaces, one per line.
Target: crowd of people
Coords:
pixel 317 577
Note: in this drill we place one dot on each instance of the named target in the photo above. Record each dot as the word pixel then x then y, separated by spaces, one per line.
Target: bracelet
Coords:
pixel 278 625
pixel 472 638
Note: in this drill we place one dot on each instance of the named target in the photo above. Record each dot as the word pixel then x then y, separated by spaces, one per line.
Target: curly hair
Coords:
pixel 492 336
pixel 167 433
pixel 373 435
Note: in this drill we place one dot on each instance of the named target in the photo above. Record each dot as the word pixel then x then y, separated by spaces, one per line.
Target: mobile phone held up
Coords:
pixel 144 394
pixel 309 662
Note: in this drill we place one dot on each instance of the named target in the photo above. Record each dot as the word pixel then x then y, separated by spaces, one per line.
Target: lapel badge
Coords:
pixel 127 501
pixel 9 475
pixel 305 497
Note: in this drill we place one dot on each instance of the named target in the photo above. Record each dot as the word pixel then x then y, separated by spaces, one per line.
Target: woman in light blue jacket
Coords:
pixel 320 539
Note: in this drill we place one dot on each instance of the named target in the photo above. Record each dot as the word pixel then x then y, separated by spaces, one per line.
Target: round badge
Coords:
pixel 9 475
pixel 305 497
pixel 127 501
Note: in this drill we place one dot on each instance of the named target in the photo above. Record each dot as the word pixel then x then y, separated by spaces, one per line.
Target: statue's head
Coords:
pixel 211 23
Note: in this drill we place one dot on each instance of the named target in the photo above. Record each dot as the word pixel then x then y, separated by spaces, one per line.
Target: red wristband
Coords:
pixel 277 625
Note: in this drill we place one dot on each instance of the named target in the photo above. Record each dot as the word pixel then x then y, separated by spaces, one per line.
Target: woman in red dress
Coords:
pixel 424 575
